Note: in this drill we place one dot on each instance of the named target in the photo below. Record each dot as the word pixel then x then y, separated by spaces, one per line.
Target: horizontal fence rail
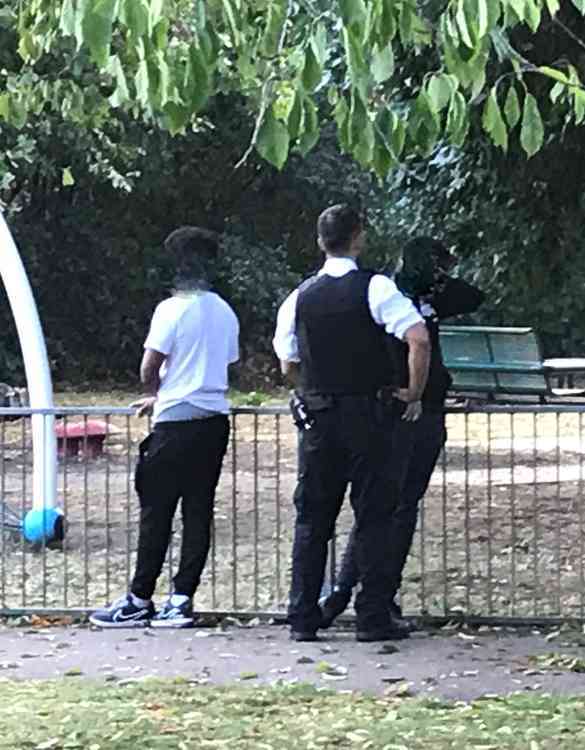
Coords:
pixel 500 534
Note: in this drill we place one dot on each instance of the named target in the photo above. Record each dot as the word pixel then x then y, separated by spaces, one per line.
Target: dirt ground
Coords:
pixel 501 531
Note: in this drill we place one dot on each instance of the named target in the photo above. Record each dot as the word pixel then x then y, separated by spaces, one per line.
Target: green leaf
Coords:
pixel 295 116
pixel 553 7
pixel 135 14
pixel 275 22
pixel 198 86
pixel 156 12
pixel 580 5
pixel 465 31
pixel 67 19
pixel 121 94
pixel 512 108
pixel 382 63
pixel 405 23
pixel 4 106
pixel 532 132
pixel 311 128
pixel 341 115
pixel 457 119
pixel 519 8
pixel 177 117
pixel 579 104
pixel 398 138
pixel 97 29
pixel 312 71
pixel 232 17
pixel 554 73
pixel 493 122
pixel 387 22
pixel 483 17
pixel 533 14
pixel 142 83
pixel 67 178
pixel 273 141
pixel 27 47
pixel 358 70
pixel 558 90
pixel 440 89
pixel 352 12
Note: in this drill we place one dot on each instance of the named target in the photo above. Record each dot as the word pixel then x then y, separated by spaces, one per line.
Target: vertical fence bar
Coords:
pixel 558 514
pixel 444 530
pixel 535 518
pixel 3 530
pixel 490 528
pixel 108 519
pixel 213 541
pixel 466 517
pixel 234 514
pixel 23 510
pixel 44 540
pixel 66 509
pixel 277 515
pixel 581 522
pixel 256 515
pixel 513 535
pixel 128 492
pixel 85 514
pixel 423 567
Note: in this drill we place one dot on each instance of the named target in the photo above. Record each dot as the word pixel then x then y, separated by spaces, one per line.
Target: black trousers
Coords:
pixel 346 445
pixel 416 446
pixel 178 460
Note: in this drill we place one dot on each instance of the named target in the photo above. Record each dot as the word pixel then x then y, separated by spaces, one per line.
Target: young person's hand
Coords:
pixel 144 406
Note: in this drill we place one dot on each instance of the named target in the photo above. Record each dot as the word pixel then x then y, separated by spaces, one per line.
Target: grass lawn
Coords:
pixel 72 714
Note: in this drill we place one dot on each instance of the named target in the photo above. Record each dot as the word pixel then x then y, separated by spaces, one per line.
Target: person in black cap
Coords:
pixel 415 445
pixel 332 333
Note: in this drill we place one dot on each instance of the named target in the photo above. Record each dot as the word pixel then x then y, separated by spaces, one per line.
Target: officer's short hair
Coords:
pixel 336 227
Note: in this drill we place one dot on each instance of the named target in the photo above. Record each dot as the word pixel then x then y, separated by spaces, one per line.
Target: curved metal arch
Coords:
pixel 36 364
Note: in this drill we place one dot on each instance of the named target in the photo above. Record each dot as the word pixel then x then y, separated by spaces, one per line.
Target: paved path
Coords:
pixel 453 665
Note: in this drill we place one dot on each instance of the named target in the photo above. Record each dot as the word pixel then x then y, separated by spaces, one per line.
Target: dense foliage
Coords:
pixel 166 59
pixel 92 177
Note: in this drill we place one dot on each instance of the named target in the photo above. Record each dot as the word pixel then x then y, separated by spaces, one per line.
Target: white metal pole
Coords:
pixel 36 364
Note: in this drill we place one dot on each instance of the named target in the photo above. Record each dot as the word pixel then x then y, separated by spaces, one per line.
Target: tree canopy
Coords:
pixel 398 77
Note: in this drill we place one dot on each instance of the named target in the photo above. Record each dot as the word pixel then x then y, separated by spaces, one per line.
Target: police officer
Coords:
pixel 331 337
pixel 424 277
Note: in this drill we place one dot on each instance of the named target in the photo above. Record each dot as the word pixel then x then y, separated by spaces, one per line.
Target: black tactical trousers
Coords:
pixel 178 460
pixel 415 449
pixel 347 445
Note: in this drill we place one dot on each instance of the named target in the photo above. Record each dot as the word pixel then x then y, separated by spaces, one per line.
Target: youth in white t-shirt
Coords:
pixel 198 334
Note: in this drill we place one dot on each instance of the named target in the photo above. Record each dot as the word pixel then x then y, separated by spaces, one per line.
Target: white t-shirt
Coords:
pixel 199 334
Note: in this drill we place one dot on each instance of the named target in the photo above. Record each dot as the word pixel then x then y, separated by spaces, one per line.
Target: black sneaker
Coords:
pixel 333 605
pixel 174 617
pixel 123 614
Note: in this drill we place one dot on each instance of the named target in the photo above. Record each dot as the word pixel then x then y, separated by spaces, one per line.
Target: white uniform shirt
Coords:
pixel 388 307
pixel 199 335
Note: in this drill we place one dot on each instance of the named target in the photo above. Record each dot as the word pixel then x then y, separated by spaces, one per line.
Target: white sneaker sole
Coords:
pixel 176 622
pixel 119 625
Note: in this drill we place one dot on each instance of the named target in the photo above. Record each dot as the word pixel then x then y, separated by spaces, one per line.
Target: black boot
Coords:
pixel 333 605
pixel 398 618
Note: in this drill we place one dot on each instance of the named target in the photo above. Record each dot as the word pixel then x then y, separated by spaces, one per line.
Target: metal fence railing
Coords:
pixel 501 531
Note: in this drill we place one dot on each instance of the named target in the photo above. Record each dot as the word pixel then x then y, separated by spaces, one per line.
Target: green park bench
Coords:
pixel 496 361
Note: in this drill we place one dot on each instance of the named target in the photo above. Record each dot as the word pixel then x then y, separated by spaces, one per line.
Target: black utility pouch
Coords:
pixel 300 412
pixel 304 406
